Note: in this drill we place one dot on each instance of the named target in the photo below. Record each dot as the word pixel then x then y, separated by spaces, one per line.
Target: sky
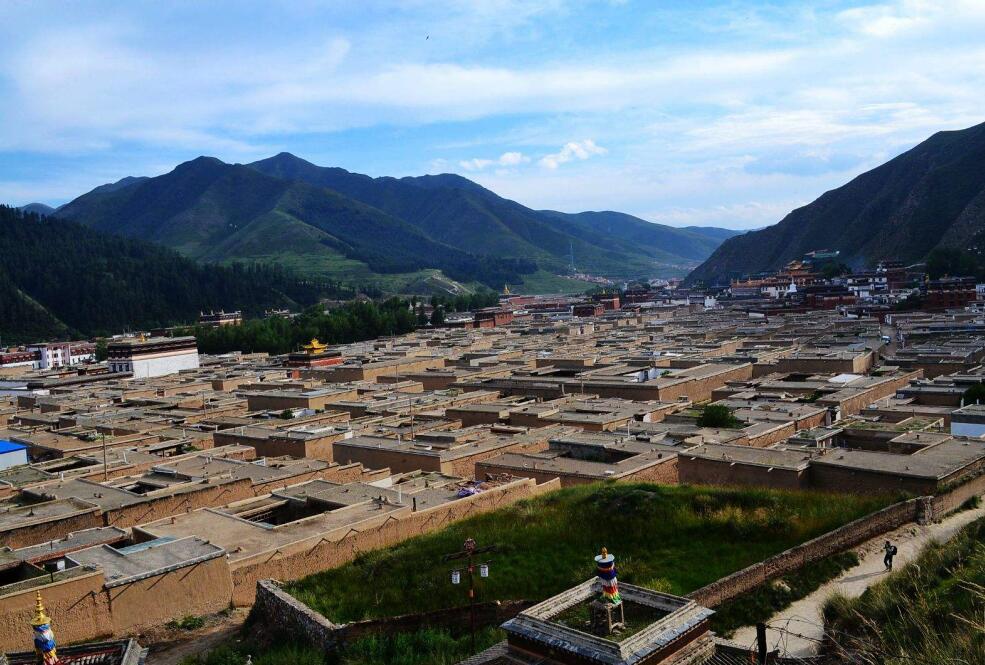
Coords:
pixel 685 113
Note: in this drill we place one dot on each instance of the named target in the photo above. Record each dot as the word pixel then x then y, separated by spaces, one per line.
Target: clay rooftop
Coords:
pixel 579 458
pixel 933 462
pixel 136 562
pixel 430 447
pixel 766 457
pixel 77 540
pixel 16 517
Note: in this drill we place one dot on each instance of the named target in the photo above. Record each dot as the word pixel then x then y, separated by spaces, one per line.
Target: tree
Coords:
pixel 832 269
pixel 975 394
pixel 718 415
pixel 952 262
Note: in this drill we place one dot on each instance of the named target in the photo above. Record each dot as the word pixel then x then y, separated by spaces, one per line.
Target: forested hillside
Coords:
pixel 932 197
pixel 212 211
pixel 59 279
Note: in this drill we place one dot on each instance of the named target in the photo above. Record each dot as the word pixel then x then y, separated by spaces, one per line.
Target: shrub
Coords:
pixel 718 415
pixel 187 623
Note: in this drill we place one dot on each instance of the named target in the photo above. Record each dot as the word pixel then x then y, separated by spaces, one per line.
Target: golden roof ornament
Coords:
pixel 314 347
pixel 40 616
pixel 44 637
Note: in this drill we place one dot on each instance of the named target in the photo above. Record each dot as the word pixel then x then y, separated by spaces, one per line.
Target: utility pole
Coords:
pixel 761 643
pixel 105 466
pixel 468 552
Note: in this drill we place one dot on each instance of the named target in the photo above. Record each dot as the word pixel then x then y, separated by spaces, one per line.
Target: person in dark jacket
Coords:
pixel 890 550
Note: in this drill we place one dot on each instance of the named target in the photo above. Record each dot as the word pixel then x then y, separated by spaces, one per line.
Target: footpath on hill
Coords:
pixel 797 630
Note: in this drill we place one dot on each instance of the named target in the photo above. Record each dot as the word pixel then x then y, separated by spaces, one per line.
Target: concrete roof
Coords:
pixel 17 517
pixel 933 462
pixel 136 562
pixel 766 457
pixel 70 543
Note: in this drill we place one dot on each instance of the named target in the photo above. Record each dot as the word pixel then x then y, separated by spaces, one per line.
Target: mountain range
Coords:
pixel 930 198
pixel 333 224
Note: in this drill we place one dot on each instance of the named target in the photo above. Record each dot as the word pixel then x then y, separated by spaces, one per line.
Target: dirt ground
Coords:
pixel 169 646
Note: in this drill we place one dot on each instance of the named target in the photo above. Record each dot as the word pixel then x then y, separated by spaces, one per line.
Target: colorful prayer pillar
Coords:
pixel 606 568
pixel 44 638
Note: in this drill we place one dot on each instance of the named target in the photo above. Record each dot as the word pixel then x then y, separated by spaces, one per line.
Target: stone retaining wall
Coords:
pixel 279 612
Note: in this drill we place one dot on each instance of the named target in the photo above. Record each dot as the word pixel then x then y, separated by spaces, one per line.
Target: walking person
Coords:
pixel 890 550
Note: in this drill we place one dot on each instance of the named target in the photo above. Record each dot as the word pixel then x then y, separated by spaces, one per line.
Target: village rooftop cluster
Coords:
pixel 162 483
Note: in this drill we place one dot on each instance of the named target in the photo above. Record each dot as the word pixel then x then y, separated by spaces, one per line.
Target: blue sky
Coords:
pixel 711 113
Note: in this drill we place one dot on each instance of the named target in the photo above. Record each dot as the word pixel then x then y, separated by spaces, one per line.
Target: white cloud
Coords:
pixel 475 164
pixel 572 150
pixel 506 159
pixel 513 158
pixel 721 125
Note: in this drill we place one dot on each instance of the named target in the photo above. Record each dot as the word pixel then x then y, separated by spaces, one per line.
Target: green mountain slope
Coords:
pixel 467 216
pixel 932 196
pixel 330 223
pixel 58 278
pixel 212 211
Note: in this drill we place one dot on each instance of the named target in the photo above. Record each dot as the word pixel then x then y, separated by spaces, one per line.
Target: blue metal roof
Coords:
pixel 10 446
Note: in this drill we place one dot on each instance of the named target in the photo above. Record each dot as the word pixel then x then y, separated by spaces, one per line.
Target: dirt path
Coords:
pixel 804 616
pixel 170 648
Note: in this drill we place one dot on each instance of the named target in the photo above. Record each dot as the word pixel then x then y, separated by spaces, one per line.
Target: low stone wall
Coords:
pixel 950 501
pixel 838 540
pixel 278 614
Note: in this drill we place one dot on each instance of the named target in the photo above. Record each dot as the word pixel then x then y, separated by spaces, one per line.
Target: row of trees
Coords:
pixel 352 322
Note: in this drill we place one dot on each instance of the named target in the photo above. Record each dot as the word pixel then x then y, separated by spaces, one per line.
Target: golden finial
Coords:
pixel 40 617
pixel 605 552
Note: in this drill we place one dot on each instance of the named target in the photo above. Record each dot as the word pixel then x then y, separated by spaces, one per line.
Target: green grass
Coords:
pixel 930 611
pixel 187 623
pixel 283 654
pixel 673 538
pixel 421 647
pixel 543 281
pixel 636 617
pixel 766 600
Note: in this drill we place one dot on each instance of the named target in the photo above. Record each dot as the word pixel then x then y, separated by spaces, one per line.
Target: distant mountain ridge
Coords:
pixel 37 208
pixel 931 196
pixel 332 223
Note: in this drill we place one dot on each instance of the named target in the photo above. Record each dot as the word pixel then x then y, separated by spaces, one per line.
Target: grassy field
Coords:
pixel 930 611
pixel 543 281
pixel 423 647
pixel 672 538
